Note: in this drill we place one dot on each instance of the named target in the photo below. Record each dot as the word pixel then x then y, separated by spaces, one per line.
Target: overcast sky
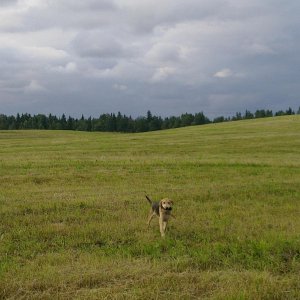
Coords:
pixel 170 56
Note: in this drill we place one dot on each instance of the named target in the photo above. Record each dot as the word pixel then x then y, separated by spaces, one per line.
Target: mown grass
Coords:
pixel 73 214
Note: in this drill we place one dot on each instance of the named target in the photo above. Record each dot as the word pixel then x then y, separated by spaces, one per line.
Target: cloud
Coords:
pixel 120 87
pixel 43 53
pixel 88 5
pixel 145 16
pixel 82 56
pixel 162 73
pixel 165 52
pixel 7 2
pixel 96 44
pixel 227 73
pixel 259 49
pixel 69 68
pixel 224 73
pixel 34 87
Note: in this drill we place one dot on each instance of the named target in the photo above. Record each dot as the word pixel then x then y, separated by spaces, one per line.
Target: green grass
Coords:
pixel 73 213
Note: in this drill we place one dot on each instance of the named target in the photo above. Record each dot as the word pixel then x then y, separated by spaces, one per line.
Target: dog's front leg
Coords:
pixel 162 227
pixel 165 226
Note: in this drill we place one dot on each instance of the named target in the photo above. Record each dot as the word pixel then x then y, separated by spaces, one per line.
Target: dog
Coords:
pixel 162 209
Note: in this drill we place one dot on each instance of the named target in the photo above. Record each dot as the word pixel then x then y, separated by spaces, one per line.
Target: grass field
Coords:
pixel 73 213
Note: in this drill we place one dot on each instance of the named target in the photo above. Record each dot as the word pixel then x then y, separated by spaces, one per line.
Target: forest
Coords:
pixel 121 123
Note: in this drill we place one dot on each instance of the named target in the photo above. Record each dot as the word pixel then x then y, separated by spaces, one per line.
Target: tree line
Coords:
pixel 122 123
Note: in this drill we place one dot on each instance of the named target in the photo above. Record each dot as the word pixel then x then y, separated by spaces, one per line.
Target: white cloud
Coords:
pixel 256 48
pixel 163 52
pixel 224 73
pixel 44 53
pixel 105 73
pixel 33 3
pixel 163 73
pixel 34 87
pixel 9 19
pixel 69 68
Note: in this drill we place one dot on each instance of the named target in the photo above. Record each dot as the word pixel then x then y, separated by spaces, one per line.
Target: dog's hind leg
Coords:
pixel 151 215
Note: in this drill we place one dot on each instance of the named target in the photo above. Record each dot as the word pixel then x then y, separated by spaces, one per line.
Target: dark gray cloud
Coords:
pixel 169 56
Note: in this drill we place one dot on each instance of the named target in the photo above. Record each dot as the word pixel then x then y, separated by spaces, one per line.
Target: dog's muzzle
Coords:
pixel 168 208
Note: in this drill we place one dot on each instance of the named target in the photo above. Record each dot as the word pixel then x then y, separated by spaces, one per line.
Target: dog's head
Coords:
pixel 166 204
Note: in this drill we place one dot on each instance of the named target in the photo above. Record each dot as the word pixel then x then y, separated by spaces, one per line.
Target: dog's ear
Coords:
pixel 171 201
pixel 160 204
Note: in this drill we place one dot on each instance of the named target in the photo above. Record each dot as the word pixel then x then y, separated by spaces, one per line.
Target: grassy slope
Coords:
pixel 73 216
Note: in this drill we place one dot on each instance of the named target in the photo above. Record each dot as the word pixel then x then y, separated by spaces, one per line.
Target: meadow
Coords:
pixel 73 213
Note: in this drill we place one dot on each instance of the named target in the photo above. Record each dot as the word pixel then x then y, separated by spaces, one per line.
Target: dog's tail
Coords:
pixel 147 197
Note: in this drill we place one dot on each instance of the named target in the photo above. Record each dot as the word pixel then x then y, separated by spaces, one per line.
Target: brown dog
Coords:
pixel 162 209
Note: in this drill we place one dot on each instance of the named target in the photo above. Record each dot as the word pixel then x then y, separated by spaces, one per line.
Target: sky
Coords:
pixel 169 56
